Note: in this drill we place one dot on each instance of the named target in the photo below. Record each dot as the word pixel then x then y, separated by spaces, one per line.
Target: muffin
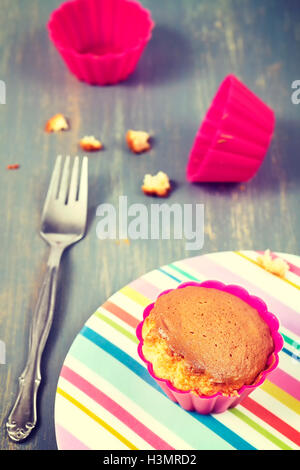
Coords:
pixel 209 340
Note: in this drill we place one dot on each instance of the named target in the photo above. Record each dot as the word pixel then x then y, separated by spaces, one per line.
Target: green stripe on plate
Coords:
pixel 260 429
pixel 184 273
pixel 117 327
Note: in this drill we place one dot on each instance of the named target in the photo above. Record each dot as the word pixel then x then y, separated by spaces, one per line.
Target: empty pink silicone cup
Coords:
pixel 101 41
pixel 233 138
pixel 217 403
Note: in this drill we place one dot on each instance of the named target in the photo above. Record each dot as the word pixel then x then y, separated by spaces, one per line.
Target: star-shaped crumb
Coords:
pixel 156 185
pixel 275 266
pixel 90 143
pixel 138 141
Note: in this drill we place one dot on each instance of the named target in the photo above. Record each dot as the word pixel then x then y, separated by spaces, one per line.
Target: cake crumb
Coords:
pixel 157 185
pixel 57 123
pixel 138 141
pixel 14 166
pixel 90 144
pixel 275 266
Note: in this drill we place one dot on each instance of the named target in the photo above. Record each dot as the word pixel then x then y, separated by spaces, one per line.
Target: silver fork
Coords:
pixel 63 223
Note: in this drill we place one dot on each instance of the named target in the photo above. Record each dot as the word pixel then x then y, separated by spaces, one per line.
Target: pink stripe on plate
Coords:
pixel 146 288
pixel 115 409
pixel 293 268
pixel 288 317
pixel 67 441
pixel 286 382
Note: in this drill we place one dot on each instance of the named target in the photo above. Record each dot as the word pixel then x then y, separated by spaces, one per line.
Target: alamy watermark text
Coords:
pixel 295 96
pixel 159 221
pixel 2 92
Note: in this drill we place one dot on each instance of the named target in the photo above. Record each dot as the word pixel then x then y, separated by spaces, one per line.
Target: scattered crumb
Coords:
pixel 15 166
pixel 224 137
pixel 90 143
pixel 227 136
pixel 275 266
pixel 157 185
pixel 138 141
pixel 57 123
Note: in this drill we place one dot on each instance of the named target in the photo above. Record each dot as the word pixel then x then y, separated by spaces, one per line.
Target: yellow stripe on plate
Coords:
pixel 282 396
pixel 135 296
pixel 97 419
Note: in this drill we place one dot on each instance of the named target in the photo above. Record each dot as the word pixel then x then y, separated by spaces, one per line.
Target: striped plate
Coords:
pixel 106 399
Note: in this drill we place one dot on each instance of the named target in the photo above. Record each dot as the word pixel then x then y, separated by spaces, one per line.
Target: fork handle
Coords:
pixel 23 417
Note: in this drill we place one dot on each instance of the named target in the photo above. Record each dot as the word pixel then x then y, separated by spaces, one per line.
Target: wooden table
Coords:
pixel 195 45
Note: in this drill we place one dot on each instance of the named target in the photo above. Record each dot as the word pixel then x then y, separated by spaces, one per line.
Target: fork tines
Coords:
pixel 69 186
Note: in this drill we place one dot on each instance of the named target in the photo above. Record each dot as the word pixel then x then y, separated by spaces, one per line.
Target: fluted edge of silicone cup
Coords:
pixel 218 402
pixel 116 65
pixel 68 4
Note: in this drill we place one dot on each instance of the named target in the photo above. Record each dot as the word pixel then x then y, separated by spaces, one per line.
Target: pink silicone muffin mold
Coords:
pixel 233 138
pixel 217 403
pixel 100 41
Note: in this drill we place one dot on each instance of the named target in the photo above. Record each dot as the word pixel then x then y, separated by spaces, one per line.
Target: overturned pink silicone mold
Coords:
pixel 234 136
pixel 100 41
pixel 217 403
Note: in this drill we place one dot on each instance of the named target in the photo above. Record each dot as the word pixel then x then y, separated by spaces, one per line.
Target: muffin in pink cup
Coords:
pixel 208 345
pixel 233 138
pixel 100 41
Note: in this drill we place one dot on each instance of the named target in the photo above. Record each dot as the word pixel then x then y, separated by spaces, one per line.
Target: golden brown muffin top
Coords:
pixel 215 331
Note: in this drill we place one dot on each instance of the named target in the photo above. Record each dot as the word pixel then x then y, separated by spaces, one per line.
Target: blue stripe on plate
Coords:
pixel 169 275
pixel 136 383
pixel 291 353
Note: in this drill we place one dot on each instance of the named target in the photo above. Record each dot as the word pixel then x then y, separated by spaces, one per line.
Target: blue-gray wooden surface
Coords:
pixel 195 44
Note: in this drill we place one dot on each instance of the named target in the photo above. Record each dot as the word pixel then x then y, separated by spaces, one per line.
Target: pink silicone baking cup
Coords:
pixel 217 403
pixel 233 138
pixel 100 41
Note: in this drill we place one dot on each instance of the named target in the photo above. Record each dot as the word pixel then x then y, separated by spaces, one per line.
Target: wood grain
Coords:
pixel 195 45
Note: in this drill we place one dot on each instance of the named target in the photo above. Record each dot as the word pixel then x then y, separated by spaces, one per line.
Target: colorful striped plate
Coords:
pixel 106 399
